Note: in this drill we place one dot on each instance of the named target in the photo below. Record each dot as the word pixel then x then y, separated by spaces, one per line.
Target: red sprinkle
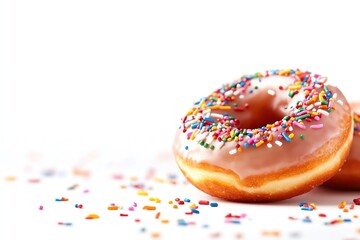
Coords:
pixel 322 215
pixel 203 202
pixel 123 215
pixel 357 201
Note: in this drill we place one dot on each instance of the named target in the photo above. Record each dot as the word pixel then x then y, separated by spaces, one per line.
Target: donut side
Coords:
pixel 278 185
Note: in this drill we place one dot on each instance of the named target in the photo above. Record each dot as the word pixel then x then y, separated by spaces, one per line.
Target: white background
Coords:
pixel 115 77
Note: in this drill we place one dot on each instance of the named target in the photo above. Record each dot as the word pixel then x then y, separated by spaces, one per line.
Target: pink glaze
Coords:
pixel 268 104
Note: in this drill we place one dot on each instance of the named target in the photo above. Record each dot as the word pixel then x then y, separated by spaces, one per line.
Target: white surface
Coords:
pixel 80 79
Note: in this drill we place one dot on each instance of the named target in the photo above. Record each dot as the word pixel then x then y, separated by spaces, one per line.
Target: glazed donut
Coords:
pixel 348 178
pixel 265 137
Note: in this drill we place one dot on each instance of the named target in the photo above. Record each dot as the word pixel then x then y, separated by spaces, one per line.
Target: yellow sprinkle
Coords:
pixel 214 107
pixel 193 135
pixel 170 202
pixel 291 135
pixel 190 112
pixel 313 206
pixel 151 199
pixel 192 205
pixel 10 178
pixel 142 193
pixel 149 208
pixel 295 87
pixel 258 144
pixel 165 221
pixel 158 201
pixel 284 72
pixel 236 139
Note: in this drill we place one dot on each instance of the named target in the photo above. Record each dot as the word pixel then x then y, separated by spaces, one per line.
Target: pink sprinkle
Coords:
pixel 41 207
pixel 112 204
pixel 131 208
pixel 299 125
pixel 86 191
pixel 301 113
pixel 330 104
pixel 317 126
pixel 308 88
pixel 317 118
pixel 135 204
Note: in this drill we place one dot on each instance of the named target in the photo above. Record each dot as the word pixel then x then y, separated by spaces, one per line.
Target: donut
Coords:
pixel 265 137
pixel 348 178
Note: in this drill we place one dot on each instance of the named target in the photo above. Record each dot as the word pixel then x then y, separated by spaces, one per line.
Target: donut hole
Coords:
pixel 260 108
pixel 262 114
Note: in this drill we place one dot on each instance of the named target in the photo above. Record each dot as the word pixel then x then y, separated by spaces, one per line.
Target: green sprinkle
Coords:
pixel 286 118
pixel 291 94
pixel 302 117
pixel 212 147
pixel 233 85
pixel 214 98
pixel 323 102
pixel 206 145
pixel 302 136
pixel 202 142
pixel 329 110
pixel 256 87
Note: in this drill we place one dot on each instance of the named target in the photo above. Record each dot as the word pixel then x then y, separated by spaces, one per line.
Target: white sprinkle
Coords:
pixel 206 111
pixel 291 129
pixel 217 115
pixel 241 96
pixel 323 112
pixel 334 96
pixel 278 143
pixel 310 107
pixel 187 124
pixel 231 152
pixel 229 93
pixel 271 92
pixel 340 102
pixel 201 136
pixel 317 104
pixel 221 144
pixel 237 92
pixel 269 145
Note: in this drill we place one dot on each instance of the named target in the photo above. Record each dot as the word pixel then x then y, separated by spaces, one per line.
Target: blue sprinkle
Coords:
pixel 58 200
pixel 195 211
pixel 307 209
pixel 246 145
pixel 205 226
pixel 194 125
pixel 209 120
pixel 186 200
pixel 302 204
pixel 242 84
pixel 286 137
pixel 307 220
pixel 235 221
pixel 250 134
pixel 186 147
pixel 254 145
pixel 292 71
pixel 213 204
pixel 209 104
pixel 347 220
pixel 283 125
pixel 251 91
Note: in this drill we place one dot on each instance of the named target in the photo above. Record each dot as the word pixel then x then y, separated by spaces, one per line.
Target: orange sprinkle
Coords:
pixel 155 235
pixel 313 206
pixel 113 207
pixel 342 205
pixel 149 208
pixel 175 206
pixel 157 215
pixel 92 216
pixel 170 202
pixel 258 144
pixel 224 108
pixel 346 210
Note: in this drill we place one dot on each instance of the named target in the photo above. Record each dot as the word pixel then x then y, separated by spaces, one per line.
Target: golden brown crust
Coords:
pixel 287 183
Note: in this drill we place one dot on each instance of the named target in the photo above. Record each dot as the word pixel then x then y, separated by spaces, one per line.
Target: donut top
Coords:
pixel 243 121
